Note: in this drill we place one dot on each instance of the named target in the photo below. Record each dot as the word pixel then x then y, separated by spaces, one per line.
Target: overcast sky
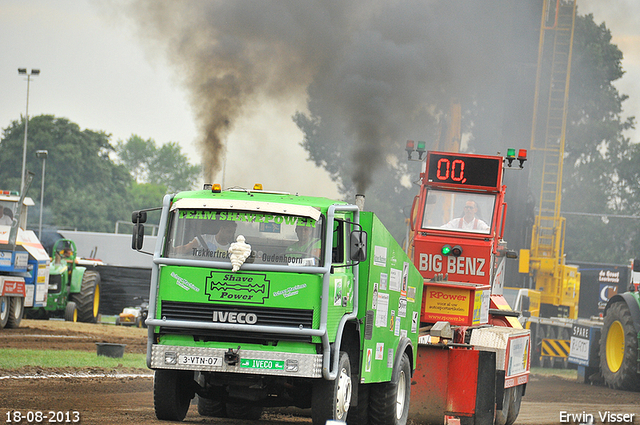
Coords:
pixel 97 73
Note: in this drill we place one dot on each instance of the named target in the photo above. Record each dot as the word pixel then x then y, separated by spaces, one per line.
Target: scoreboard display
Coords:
pixel 472 171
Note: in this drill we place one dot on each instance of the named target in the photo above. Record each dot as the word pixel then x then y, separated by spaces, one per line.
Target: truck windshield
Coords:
pixel 273 238
pixel 458 211
pixel 9 210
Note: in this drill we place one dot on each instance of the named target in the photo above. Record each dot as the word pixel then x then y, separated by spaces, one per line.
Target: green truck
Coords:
pixel 262 299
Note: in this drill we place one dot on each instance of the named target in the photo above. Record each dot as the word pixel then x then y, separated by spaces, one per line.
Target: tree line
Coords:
pixel 90 183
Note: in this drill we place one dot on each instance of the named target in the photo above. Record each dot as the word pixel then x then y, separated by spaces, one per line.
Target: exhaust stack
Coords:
pixel 360 202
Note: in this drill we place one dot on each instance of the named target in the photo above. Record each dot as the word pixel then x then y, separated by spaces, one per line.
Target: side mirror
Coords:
pixel 139 217
pixel 138 236
pixel 636 265
pixel 358 245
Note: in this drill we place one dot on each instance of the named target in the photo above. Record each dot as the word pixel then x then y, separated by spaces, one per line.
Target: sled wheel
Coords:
pixel 88 300
pixel 172 394
pixel 243 411
pixel 16 310
pixel 5 303
pixel 619 349
pixel 331 399
pixel 389 401
pixel 502 414
pixel 71 312
pixel 211 408
pixel 514 405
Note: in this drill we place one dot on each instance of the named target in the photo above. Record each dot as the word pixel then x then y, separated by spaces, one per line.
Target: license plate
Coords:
pixel 262 364
pixel 200 360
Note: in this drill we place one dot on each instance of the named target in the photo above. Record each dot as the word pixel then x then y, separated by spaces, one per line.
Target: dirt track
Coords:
pixel 101 399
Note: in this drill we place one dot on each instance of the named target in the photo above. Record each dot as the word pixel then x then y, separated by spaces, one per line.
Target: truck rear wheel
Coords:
pixel 619 349
pixel 16 310
pixel 88 300
pixel 331 399
pixel 359 415
pixel 5 303
pixel 172 394
pixel 244 411
pixel 389 401
pixel 211 408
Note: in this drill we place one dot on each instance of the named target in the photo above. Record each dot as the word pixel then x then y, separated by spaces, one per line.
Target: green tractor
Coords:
pixel 74 291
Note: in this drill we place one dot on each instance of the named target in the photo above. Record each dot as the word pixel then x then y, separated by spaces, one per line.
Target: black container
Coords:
pixel 108 349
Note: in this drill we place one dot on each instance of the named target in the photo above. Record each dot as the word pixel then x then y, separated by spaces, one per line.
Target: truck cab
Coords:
pixel 459 226
pixel 457 223
pixel 24 273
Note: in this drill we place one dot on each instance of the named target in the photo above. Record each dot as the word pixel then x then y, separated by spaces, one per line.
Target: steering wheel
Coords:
pixel 202 242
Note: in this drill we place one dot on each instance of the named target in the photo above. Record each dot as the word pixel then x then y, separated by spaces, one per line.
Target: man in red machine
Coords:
pixel 468 221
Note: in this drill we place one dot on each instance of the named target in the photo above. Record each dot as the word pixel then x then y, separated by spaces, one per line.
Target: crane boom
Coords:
pixel 558 283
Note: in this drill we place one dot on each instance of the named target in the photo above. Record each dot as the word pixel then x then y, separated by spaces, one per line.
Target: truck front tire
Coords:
pixel 389 401
pixel 619 349
pixel 16 310
pixel 172 394
pixel 5 304
pixel 331 399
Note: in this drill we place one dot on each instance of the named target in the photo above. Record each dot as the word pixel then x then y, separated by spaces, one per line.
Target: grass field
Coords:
pixel 11 358
pixel 563 373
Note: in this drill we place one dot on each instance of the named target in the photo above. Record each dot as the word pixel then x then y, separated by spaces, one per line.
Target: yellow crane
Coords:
pixel 557 285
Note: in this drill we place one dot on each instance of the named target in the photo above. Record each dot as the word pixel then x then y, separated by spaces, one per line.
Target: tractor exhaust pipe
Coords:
pixel 360 201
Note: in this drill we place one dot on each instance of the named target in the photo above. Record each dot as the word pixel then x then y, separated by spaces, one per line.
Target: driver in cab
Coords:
pixel 307 243
pixel 468 220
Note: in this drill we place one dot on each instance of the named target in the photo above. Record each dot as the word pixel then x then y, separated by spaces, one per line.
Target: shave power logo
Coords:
pixel 249 288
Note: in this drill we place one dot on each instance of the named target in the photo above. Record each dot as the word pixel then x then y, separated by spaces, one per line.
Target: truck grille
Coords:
pixel 199 312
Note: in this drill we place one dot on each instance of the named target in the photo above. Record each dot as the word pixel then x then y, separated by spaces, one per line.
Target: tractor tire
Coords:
pixel 16 310
pixel 71 312
pixel 172 394
pixel 88 300
pixel 619 349
pixel 389 401
pixel 5 305
pixel 244 411
pixel 331 399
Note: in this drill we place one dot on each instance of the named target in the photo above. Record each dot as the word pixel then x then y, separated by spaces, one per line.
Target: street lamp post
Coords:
pixel 42 154
pixel 34 72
